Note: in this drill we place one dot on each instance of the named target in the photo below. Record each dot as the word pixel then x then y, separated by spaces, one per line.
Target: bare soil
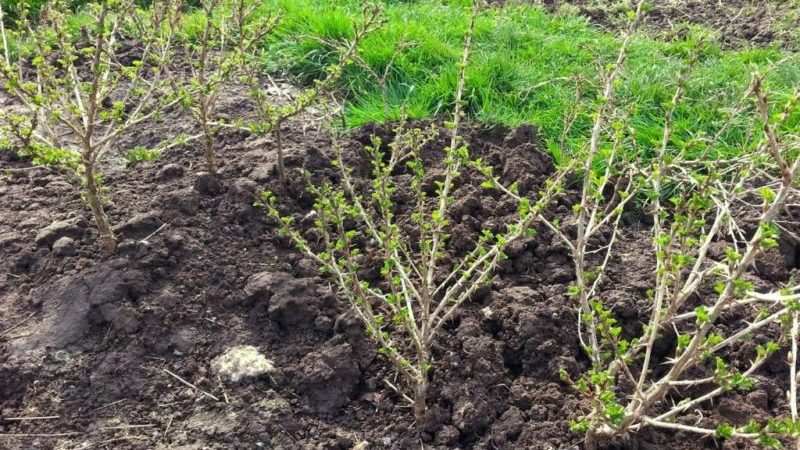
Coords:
pixel 738 23
pixel 86 339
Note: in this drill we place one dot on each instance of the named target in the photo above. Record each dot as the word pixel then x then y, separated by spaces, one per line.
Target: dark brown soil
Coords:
pixel 738 23
pixel 86 339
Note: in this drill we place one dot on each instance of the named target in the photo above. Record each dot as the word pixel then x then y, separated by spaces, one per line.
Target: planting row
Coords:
pixel 710 216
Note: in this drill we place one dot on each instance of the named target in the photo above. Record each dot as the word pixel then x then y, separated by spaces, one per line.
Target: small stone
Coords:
pixel 170 171
pixel 241 362
pixel 64 246
pixel 58 229
pixel 207 184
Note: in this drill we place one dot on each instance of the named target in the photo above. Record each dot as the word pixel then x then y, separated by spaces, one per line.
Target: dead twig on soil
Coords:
pixel 44 435
pixel 109 405
pixel 162 227
pixel 127 427
pixel 177 377
pixel 20 419
pixel 124 438
pixel 7 331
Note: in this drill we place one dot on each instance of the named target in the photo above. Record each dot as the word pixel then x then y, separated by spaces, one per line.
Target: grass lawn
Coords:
pixel 525 69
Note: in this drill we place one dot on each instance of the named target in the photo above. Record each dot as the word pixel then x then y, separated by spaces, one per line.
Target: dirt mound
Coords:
pixel 120 349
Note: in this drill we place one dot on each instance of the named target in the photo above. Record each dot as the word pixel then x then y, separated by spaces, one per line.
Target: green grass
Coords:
pixel 523 69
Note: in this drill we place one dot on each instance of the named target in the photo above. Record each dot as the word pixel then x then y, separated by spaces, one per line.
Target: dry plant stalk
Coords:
pixel 624 391
pixel 417 293
pixel 80 93
pixel 230 31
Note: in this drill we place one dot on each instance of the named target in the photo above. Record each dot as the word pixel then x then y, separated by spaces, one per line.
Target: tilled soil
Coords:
pixel 89 343
pixel 738 23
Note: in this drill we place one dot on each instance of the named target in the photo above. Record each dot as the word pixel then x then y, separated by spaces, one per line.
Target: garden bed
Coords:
pixel 92 347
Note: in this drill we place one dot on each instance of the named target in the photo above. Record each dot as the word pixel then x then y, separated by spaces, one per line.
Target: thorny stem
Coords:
pixel 685 406
pixel 58 97
pixel 419 304
pixel 793 371
pixel 661 263
pixel 436 234
pixel 429 319
pixel 272 116
pixel 90 114
pixel 6 54
pixel 95 200
pixel 594 145
pixel 357 296
pixel 208 143
pixel 203 100
pixel 214 60
pixel 279 146
pixel 692 352
pixel 677 281
pixel 695 430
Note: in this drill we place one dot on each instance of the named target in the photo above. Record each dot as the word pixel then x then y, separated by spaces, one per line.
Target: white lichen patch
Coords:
pixel 240 362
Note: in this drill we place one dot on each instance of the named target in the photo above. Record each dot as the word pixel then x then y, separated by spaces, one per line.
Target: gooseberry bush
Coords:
pixel 713 217
pixel 417 291
pixel 79 93
pixel 271 115
pixel 214 51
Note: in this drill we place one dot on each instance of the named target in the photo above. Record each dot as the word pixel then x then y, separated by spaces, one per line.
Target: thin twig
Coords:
pixel 190 385
pixel 30 418
pixel 45 435
pixel 17 325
